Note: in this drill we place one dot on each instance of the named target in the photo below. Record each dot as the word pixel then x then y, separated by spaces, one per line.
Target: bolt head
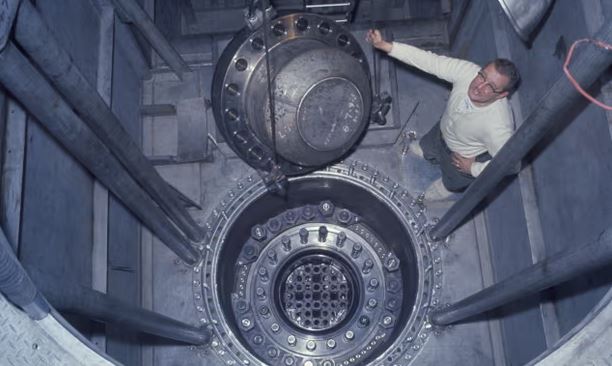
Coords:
pixel 258 232
pixel 350 335
pixel 392 263
pixel 291 340
pixel 331 343
pixel 311 345
pixel 308 213
pixel 290 217
pixel 274 225
pixel 344 216
pixel 326 208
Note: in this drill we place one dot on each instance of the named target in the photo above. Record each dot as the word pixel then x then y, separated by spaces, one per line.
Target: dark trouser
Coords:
pixel 436 152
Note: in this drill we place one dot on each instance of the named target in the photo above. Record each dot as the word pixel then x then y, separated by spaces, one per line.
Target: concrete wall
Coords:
pixel 570 175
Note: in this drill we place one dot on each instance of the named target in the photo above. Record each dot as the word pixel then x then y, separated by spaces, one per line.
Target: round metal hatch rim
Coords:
pixel 220 327
pixel 243 79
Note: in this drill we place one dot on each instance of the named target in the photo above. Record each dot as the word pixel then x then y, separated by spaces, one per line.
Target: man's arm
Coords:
pixel 447 68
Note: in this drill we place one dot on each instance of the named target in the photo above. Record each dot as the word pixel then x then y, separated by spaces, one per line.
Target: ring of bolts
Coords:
pixel 316 287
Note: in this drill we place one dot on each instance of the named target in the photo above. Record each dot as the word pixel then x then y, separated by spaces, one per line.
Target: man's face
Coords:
pixel 488 86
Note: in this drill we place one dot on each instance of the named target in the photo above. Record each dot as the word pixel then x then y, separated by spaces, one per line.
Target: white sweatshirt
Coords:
pixel 467 129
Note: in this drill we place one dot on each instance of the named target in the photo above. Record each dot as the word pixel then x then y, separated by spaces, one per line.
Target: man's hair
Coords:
pixel 509 70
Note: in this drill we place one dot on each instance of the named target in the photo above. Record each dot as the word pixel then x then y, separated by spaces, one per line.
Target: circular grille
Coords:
pixel 317 293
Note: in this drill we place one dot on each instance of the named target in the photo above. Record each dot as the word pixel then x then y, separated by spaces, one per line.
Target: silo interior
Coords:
pixel 74 231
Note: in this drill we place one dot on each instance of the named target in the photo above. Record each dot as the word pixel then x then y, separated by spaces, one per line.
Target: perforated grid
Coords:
pixel 317 295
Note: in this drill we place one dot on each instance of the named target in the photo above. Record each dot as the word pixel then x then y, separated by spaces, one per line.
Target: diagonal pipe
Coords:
pixel 560 98
pixel 70 297
pixel 147 27
pixel 28 86
pixel 37 41
pixel 547 273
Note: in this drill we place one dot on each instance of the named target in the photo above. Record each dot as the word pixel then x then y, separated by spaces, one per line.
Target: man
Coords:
pixel 477 120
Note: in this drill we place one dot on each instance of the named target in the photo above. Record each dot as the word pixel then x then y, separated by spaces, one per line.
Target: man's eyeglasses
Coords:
pixel 482 78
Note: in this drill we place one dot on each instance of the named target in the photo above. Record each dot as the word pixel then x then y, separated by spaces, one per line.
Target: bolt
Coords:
pixel 364 321
pixel 308 213
pixel 286 241
pixel 261 293
pixel 393 286
pixel 272 352
pixel 258 232
pixel 373 284
pixel 250 253
pixel 322 233
pixel 392 263
pixel 311 345
pixel 264 310
pixel 246 322
pixel 341 239
pixel 387 320
pixel 258 339
pixel 263 274
pixel 290 217
pixel 331 343
pixel 308 363
pixel 242 305
pixel 344 216
pixel 349 335
pixel 327 363
pixel 367 266
pixel 326 208
pixel 303 235
pixel 392 304
pixel 356 250
pixel 289 361
pixel 275 327
pixel 274 225
pixel 291 340
pixel 272 256
pixel 372 303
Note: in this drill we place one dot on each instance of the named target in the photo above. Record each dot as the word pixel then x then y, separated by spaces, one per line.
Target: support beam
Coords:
pixel 550 272
pixel 158 41
pixel 36 39
pixel 38 96
pixel 76 299
pixel 13 162
pixel 104 87
pixel 587 65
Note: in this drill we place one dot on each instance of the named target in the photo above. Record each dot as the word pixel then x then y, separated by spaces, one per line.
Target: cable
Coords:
pixel 266 26
pixel 573 81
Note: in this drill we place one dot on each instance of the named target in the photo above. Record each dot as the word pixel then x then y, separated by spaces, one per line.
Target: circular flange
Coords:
pixel 270 254
pixel 304 50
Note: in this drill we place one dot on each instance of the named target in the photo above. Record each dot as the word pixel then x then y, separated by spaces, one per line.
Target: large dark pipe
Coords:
pixel 38 96
pixel 143 22
pixel 16 285
pixel 73 298
pixel 547 273
pixel 588 64
pixel 38 42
